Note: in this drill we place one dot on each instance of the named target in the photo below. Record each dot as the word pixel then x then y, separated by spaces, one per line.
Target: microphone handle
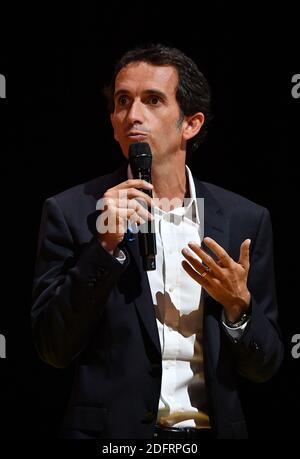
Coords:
pixel 147 238
pixel 144 174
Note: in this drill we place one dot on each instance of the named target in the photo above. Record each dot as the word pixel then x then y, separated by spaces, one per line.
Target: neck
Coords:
pixel 170 182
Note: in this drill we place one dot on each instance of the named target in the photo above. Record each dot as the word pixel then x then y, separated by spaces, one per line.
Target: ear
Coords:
pixel 112 120
pixel 192 125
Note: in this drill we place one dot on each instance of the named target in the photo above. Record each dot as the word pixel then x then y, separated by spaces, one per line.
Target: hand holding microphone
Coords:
pixel 140 159
pixel 119 205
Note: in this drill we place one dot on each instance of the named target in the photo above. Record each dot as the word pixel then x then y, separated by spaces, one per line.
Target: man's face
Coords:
pixel 146 109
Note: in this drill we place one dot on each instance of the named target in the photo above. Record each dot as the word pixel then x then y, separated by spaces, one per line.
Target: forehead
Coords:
pixel 140 76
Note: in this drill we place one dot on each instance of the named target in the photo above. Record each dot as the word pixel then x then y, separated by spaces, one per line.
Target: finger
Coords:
pixel 134 206
pixel 194 274
pixel 122 218
pixel 139 209
pixel 132 217
pixel 117 217
pixel 135 183
pixel 125 203
pixel 220 253
pixel 130 193
pixel 135 218
pixel 138 194
pixel 197 265
pixel 244 254
pixel 206 259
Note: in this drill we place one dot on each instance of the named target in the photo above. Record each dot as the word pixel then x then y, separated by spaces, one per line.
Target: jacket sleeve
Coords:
pixel 69 290
pixel 259 352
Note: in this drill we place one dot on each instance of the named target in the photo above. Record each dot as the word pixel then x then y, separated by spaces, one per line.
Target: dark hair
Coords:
pixel 193 93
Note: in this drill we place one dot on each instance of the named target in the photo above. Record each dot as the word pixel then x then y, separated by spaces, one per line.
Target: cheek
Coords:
pixel 116 120
pixel 171 131
pixel 116 124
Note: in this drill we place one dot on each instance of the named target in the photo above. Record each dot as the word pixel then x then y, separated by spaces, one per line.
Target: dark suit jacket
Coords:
pixel 98 314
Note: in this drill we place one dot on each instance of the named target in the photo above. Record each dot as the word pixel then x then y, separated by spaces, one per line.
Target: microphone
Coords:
pixel 140 160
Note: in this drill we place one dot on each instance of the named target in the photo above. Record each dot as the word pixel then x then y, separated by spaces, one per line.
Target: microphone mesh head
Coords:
pixel 140 156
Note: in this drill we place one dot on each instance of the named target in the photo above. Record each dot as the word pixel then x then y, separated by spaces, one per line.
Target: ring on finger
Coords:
pixel 205 272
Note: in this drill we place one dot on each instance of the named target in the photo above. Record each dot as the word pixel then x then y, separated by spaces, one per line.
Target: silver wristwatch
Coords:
pixel 243 319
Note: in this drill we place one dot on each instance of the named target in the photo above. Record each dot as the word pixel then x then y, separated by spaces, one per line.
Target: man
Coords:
pixel 157 353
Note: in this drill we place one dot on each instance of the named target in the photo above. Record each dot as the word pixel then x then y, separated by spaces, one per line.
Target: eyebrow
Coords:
pixel 157 92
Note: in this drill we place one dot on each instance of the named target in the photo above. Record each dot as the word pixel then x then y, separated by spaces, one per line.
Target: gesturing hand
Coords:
pixel 224 280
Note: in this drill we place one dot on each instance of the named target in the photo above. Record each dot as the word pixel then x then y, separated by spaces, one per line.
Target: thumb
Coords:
pixel 244 254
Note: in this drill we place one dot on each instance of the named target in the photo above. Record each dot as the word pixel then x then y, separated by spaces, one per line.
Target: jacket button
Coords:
pixel 100 272
pixel 254 346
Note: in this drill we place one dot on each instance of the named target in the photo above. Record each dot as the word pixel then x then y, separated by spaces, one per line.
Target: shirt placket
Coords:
pixel 171 273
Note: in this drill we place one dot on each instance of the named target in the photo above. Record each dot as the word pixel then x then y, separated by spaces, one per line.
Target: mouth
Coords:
pixel 136 135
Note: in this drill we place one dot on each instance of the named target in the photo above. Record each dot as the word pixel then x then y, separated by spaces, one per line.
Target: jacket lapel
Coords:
pixel 215 223
pixel 142 296
pixel 137 278
pixel 215 227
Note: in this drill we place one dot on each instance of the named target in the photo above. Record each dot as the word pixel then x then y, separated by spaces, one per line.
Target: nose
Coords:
pixel 135 113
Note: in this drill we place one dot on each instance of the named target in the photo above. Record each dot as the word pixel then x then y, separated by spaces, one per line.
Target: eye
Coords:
pixel 154 100
pixel 122 100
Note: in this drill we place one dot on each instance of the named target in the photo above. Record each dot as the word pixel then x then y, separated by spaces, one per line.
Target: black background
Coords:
pixel 55 133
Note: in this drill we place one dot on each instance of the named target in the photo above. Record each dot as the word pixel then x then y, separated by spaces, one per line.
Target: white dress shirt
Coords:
pixel 178 307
